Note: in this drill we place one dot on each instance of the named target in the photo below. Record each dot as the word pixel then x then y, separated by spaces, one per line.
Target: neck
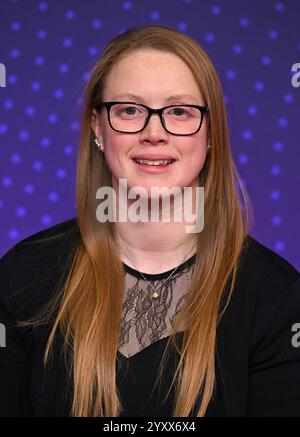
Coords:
pixel 154 247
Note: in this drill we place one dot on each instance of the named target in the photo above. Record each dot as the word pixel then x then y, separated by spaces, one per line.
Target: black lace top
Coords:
pixel 145 319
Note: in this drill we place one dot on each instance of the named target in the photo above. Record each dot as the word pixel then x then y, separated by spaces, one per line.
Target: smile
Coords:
pixel 154 166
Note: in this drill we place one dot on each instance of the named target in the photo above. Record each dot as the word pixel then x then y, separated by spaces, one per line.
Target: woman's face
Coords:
pixel 154 76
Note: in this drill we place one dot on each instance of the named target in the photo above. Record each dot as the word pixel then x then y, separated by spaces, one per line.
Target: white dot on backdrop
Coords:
pixel 15 158
pixel 93 50
pixel 97 24
pixel 215 9
pixel 61 173
pixel 182 26
pixel 155 15
pixel 30 111
pixel 75 125
pixel 46 219
pixel 275 170
pixel 247 134
pixel 127 5
pixel 24 135
pixel 273 34
pixel 3 128
pixel 53 197
pixel 67 42
pixel 52 118
pixel 29 189
pixel 58 94
pixel 282 122
pixel 279 6
pixel 35 86
pixel 209 37
pixel 85 76
pixel 230 74
pixel 276 220
pixel 42 6
pixel 8 104
pixel 45 142
pixel 12 79
pixel 64 68
pixel 259 86
pixel 243 158
pixel 21 211
pixel 13 234
pixel 15 53
pixel 252 110
pixel 42 34
pixel 6 181
pixel 68 149
pixel 70 15
pixel 266 60
pixel 280 246
pixel 39 60
pixel 237 48
pixel 244 22
pixel 278 145
pixel 288 98
pixel 37 165
pixel 16 25
pixel 275 195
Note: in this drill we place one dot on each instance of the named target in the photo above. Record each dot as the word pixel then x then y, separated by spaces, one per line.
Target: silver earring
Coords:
pixel 99 144
pixel 208 147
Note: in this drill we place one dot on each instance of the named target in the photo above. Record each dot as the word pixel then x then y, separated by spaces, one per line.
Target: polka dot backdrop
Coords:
pixel 48 49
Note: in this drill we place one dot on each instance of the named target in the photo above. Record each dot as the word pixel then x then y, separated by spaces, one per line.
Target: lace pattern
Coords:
pixel 146 320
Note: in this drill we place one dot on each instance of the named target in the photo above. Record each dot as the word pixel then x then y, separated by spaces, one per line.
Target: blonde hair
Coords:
pixel 89 305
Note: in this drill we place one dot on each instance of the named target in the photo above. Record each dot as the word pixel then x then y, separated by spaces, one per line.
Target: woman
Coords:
pixel 142 318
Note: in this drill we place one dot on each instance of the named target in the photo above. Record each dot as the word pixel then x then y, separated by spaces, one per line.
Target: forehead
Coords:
pixel 153 74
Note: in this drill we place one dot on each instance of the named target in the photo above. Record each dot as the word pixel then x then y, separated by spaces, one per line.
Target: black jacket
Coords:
pixel 258 339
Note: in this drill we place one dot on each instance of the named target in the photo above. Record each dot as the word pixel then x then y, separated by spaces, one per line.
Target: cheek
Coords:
pixel 194 155
pixel 115 154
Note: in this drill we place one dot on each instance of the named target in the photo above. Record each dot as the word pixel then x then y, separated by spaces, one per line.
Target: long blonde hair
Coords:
pixel 89 306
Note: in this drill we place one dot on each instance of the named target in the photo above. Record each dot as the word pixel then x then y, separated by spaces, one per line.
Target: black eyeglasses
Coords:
pixel 131 117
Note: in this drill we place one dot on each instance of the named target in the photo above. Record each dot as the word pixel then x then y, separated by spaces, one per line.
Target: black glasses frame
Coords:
pixel 159 111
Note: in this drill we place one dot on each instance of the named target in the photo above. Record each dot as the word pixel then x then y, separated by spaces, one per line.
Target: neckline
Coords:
pixel 162 275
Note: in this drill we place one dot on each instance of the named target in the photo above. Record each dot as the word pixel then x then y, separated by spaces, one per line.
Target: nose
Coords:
pixel 154 130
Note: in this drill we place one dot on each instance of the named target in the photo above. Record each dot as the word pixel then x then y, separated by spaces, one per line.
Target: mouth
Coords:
pixel 154 165
pixel 154 162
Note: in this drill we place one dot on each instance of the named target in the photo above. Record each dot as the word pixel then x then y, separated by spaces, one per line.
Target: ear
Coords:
pixel 96 124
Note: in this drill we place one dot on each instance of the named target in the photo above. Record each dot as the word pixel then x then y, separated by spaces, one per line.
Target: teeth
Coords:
pixel 152 162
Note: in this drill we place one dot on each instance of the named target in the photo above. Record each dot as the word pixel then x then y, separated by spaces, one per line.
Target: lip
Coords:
pixel 154 157
pixel 154 169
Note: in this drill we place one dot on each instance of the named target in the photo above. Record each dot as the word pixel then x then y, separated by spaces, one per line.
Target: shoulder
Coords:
pixel 259 265
pixel 30 270
pixel 267 291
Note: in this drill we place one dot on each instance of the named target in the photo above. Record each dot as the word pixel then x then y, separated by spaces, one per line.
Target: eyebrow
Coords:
pixel 134 96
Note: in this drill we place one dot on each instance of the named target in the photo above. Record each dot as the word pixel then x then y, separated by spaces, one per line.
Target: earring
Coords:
pixel 208 147
pixel 99 144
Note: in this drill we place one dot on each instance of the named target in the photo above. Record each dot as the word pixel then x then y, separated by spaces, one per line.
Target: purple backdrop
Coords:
pixel 48 48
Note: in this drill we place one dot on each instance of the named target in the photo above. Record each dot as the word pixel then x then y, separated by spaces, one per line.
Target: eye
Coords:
pixel 130 110
pixel 179 111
